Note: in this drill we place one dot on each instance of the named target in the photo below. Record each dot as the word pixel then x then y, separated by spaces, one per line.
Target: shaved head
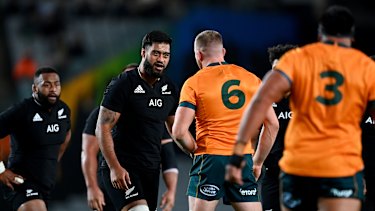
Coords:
pixel 208 48
pixel 209 42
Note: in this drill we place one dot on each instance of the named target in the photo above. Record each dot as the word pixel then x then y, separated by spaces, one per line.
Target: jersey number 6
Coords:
pixel 225 95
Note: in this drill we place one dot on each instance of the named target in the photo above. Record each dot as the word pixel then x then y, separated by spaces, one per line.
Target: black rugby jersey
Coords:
pixel 90 128
pixel 283 114
pixel 368 126
pixel 91 120
pixel 36 137
pixel 368 144
pixel 144 110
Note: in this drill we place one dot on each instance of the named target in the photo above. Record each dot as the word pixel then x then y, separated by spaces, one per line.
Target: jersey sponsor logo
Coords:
pixel 248 192
pixel 139 90
pixel 290 201
pixel 274 105
pixel 155 102
pixel 285 115
pixel 53 128
pixel 209 190
pixel 37 118
pixel 164 90
pixel 60 114
pixel 30 192
pixel 341 193
pixel 369 120
pixel 128 193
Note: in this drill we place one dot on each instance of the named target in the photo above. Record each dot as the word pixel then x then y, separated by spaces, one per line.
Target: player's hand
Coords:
pixel 191 154
pixel 257 171
pixel 167 201
pixel 120 178
pixel 234 174
pixel 9 178
pixel 95 198
pixel 195 147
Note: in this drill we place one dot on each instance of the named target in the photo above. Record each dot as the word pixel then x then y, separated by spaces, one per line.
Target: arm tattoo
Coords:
pixel 107 116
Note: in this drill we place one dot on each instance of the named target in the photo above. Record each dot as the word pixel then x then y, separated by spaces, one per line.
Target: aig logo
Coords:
pixel 285 115
pixel 155 102
pixel 369 120
pixel 53 128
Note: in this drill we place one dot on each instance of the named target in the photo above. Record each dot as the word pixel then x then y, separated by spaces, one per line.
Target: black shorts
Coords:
pixel 145 185
pixel 369 204
pixel 23 193
pixel 207 180
pixel 108 202
pixel 302 193
pixel 167 152
pixel 270 191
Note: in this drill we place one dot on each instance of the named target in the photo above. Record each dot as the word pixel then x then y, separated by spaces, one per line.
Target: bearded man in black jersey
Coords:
pixel 135 108
pixel 40 131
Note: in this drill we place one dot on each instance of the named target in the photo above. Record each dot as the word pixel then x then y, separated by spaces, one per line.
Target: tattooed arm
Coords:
pixel 106 121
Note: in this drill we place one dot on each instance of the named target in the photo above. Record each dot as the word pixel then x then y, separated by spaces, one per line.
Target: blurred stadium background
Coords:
pixel 90 41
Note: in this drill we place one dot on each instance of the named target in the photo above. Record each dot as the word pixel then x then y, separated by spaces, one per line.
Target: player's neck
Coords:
pixel 149 79
pixel 41 104
pixel 209 61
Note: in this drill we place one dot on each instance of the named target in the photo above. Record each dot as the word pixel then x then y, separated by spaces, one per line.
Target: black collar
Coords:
pixel 330 42
pixel 217 63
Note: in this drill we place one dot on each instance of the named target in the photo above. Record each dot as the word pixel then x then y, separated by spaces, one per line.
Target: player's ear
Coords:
pixel 224 51
pixel 200 56
pixel 33 88
pixel 143 52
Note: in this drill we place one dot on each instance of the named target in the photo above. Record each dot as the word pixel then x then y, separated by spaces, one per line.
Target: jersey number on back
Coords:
pixel 337 96
pixel 226 94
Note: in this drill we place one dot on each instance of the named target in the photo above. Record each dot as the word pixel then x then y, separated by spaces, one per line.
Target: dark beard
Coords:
pixel 147 66
pixel 43 101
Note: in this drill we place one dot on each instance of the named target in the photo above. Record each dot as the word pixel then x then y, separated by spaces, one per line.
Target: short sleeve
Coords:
pixel 115 94
pixel 188 94
pixel 91 120
pixel 176 96
pixel 68 112
pixel 10 118
pixel 286 64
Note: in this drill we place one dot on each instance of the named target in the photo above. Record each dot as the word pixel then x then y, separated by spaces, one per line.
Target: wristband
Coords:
pixel 236 160
pixel 2 167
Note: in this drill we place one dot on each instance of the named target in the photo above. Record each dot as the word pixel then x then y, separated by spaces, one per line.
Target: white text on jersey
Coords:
pixel 53 128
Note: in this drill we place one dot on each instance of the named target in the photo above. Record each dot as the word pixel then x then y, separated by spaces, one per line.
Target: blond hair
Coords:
pixel 208 42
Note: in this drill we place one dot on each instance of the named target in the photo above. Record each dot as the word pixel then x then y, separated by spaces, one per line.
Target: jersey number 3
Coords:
pixel 331 88
pixel 226 94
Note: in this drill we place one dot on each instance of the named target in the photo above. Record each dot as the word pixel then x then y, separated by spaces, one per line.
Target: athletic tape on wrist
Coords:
pixel 236 160
pixel 2 167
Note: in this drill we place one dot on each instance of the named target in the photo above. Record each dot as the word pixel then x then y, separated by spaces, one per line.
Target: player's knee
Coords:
pixel 34 204
pixel 140 207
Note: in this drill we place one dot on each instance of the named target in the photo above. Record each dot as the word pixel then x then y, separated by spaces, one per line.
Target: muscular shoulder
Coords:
pixel 245 74
pixel 19 108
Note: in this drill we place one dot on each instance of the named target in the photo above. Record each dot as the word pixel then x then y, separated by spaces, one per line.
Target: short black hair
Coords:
pixel 337 21
pixel 155 36
pixel 42 70
pixel 275 52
